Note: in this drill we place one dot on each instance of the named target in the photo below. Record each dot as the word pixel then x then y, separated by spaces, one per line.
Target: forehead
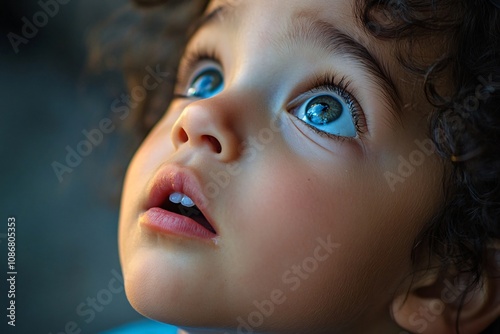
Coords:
pixel 293 20
pixel 289 18
pixel 288 8
pixel 331 26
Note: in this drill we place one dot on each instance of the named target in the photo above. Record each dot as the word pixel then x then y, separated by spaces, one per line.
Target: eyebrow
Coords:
pixel 327 37
pixel 305 28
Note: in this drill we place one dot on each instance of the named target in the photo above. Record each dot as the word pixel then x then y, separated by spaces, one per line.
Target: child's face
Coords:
pixel 311 223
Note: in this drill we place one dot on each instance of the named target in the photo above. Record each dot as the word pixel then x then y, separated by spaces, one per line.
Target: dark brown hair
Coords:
pixel 465 124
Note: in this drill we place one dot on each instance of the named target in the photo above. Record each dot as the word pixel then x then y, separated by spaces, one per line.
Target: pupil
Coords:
pixel 205 83
pixel 323 110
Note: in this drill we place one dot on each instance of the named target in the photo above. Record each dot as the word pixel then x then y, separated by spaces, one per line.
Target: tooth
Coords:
pixel 187 202
pixel 176 198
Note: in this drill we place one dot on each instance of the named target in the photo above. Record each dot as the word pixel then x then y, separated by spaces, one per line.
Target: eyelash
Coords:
pixel 330 83
pixel 189 63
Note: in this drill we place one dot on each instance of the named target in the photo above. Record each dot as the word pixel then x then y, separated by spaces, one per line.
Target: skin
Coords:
pixel 290 190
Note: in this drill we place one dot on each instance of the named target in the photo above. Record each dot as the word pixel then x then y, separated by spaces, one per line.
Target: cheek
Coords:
pixel 152 153
pixel 282 217
pixel 286 216
pixel 294 201
pixel 154 150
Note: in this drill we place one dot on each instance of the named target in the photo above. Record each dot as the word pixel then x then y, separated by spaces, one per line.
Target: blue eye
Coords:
pixel 329 113
pixel 206 84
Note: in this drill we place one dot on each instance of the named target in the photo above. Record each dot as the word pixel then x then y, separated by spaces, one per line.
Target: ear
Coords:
pixel 433 302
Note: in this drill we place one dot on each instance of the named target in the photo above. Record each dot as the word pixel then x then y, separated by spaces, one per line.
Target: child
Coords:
pixel 324 166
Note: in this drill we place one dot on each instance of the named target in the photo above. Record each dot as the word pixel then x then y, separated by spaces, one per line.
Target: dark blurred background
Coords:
pixel 66 249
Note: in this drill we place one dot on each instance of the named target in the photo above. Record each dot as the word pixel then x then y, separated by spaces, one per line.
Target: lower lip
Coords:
pixel 169 223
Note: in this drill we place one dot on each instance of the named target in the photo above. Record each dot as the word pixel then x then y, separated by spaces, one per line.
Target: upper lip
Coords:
pixel 173 178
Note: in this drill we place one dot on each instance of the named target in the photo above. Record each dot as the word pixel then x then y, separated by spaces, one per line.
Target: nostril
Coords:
pixel 214 143
pixel 183 136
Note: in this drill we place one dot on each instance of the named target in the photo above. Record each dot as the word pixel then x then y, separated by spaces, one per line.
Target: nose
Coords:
pixel 207 125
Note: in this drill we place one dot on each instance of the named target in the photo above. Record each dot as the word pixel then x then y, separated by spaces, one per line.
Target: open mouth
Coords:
pixel 183 205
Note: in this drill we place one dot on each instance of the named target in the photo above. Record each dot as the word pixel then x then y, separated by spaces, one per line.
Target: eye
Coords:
pixel 329 112
pixel 206 84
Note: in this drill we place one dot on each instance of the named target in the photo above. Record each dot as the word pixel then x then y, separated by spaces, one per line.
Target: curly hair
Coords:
pixel 464 123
